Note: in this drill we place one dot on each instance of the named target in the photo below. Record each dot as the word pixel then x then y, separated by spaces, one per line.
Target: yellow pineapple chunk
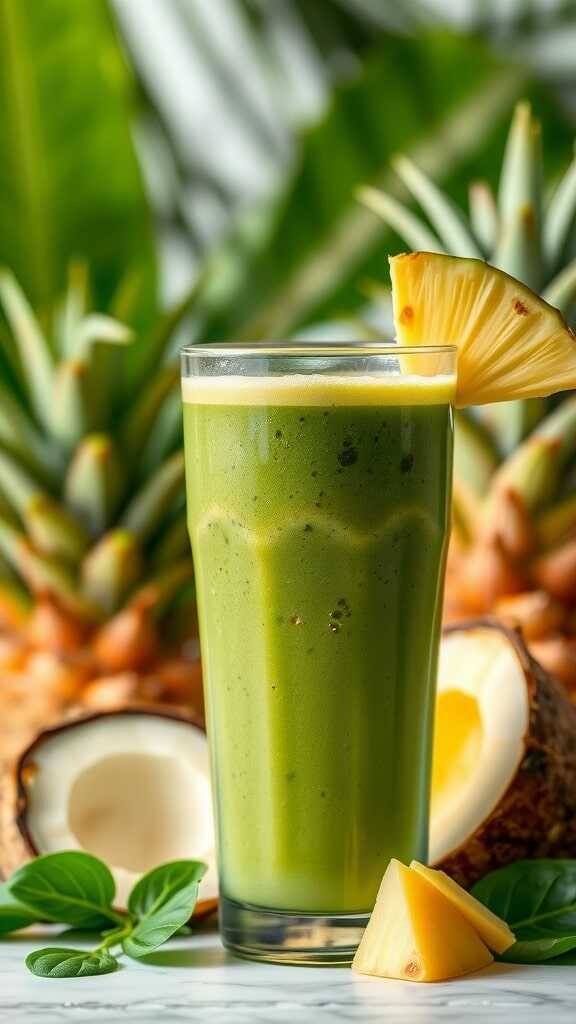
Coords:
pixel 491 928
pixel 511 343
pixel 416 934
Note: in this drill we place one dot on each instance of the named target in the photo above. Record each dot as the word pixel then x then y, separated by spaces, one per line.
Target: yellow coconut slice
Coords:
pixel 131 787
pixel 504 768
pixel 492 929
pixel 416 934
pixel 511 344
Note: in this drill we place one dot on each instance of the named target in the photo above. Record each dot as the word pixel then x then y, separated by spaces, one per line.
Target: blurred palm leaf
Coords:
pixel 69 180
pixel 224 87
pixel 424 96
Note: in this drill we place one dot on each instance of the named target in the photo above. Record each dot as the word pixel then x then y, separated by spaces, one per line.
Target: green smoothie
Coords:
pixel 318 515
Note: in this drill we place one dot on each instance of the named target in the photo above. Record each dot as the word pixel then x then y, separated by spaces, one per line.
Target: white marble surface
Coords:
pixel 193 980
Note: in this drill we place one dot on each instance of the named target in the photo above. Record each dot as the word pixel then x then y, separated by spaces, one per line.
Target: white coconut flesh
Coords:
pixel 482 717
pixel 133 789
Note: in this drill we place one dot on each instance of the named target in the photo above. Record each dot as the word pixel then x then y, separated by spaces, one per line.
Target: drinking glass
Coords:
pixel 318 494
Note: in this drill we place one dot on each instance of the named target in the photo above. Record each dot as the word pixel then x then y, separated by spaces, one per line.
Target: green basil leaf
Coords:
pixel 72 887
pixel 14 915
pixel 70 963
pixel 538 951
pixel 162 902
pixel 537 898
pixel 564 960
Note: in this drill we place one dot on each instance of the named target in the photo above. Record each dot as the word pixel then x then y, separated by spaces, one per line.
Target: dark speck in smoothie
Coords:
pixel 278 434
pixel 296 620
pixel 407 463
pixel 290 776
pixel 307 528
pixel 314 472
pixel 348 456
pixel 322 792
pixel 255 497
pixel 302 419
pixel 334 627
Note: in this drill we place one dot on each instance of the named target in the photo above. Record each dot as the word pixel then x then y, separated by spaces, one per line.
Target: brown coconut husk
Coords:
pixel 536 815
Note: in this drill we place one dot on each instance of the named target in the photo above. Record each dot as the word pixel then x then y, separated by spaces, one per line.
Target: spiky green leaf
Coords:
pixel 35 359
pixel 483 214
pixel 141 417
pixel 519 248
pixel 53 529
pixel 17 485
pixel 561 292
pixel 448 221
pixel 400 219
pixel 72 401
pixel 560 217
pixel 111 569
pixel 150 504
pixel 93 483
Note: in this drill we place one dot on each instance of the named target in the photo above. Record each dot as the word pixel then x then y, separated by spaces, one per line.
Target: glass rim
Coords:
pixel 312 349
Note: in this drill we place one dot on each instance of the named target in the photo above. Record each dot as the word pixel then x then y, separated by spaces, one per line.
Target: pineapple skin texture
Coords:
pixel 416 934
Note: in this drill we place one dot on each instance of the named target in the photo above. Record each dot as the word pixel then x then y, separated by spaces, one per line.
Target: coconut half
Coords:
pixel 131 787
pixel 504 772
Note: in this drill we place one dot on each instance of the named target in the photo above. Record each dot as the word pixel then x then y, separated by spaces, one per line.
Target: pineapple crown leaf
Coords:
pixel 155 498
pixel 93 482
pixel 100 328
pixel 36 363
pixel 400 219
pixel 446 218
pixel 521 175
pixel 560 216
pixel 69 456
pixel 515 232
pixel 561 292
pixel 483 214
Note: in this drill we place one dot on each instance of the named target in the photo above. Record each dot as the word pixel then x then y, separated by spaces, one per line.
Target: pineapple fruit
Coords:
pixel 423 929
pixel 513 550
pixel 94 559
pixel 491 928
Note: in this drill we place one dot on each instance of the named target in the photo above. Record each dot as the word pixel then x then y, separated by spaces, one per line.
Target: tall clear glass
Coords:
pixel 318 482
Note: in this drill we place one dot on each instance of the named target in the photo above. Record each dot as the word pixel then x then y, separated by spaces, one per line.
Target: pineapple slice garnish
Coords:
pixel 511 343
pixel 416 933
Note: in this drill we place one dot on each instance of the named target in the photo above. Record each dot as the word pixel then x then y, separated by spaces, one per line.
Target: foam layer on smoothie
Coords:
pixel 318 389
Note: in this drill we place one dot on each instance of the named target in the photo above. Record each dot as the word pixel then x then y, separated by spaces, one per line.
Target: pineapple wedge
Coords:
pixel 491 928
pixel 416 933
pixel 511 343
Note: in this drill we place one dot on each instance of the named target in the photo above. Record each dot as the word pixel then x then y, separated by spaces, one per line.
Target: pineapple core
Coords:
pixel 491 928
pixel 416 933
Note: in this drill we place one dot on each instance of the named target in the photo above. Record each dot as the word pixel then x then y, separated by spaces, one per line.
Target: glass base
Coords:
pixel 280 937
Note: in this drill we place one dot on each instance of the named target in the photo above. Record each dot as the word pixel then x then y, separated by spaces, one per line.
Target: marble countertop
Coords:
pixel 194 980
